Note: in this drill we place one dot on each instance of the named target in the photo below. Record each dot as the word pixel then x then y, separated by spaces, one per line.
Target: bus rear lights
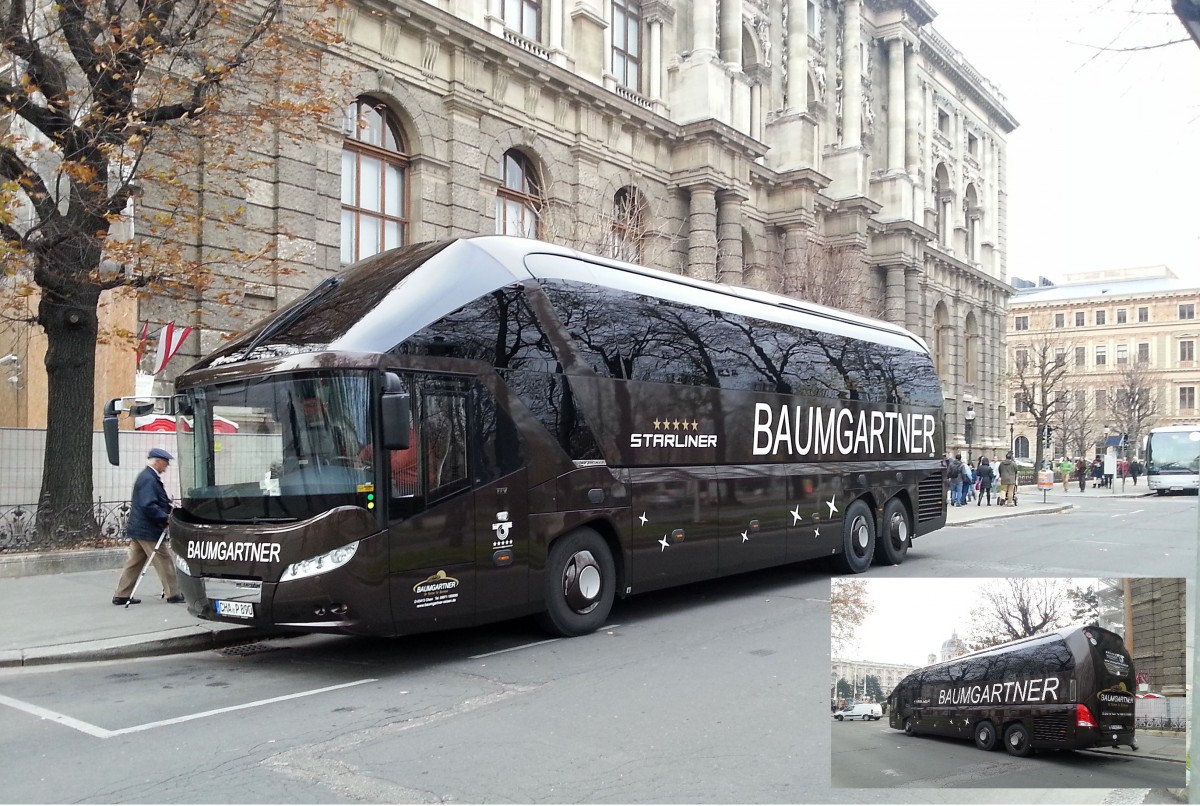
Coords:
pixel 1083 717
pixel 181 564
pixel 321 563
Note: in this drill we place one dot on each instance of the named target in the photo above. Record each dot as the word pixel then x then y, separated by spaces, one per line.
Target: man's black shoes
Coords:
pixel 176 599
pixel 120 600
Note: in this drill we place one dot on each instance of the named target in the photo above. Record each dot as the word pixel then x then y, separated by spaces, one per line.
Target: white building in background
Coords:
pixel 855 672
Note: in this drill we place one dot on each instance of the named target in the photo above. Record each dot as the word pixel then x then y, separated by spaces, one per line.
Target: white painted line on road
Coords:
pixel 515 648
pixel 531 646
pixel 104 733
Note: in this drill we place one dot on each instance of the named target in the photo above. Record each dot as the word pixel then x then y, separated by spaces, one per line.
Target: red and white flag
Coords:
pixel 169 342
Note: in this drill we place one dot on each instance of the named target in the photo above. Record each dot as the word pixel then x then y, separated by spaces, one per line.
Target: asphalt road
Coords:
pixel 712 693
pixel 871 754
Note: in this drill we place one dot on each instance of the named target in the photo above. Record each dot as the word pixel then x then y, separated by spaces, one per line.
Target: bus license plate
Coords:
pixel 235 609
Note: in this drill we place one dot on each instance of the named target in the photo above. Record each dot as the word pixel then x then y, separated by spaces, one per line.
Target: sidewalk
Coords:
pixel 1032 501
pixel 60 609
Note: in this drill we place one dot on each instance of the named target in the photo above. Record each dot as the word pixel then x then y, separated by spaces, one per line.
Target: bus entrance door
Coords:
pixel 502 545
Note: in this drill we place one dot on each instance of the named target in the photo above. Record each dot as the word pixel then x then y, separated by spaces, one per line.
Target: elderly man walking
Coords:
pixel 1008 481
pixel 150 508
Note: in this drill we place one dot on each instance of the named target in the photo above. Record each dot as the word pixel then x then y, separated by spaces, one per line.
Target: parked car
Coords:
pixel 860 710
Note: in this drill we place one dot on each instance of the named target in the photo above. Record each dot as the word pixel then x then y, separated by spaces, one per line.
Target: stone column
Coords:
pixel 912 112
pixel 756 110
pixel 731 30
pixel 729 238
pixel 702 232
pixel 852 77
pixel 912 299
pixel 795 243
pixel 656 61
pixel 897 119
pixel 704 27
pixel 894 295
pixel 797 60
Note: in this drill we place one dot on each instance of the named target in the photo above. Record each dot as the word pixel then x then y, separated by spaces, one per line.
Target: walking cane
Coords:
pixel 149 560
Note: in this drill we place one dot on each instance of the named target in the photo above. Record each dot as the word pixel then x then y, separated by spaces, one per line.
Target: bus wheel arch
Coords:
pixel 895 534
pixel 858 539
pixel 580 583
pixel 1016 740
pixel 985 735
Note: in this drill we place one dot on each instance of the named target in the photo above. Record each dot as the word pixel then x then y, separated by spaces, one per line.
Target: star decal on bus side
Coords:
pixel 796 515
pixel 663 542
pixel 643 518
pixel 816 532
pixel 832 508
pixel 744 537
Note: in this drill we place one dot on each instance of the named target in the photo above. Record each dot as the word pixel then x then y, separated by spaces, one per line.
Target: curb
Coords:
pixel 167 642
pixel 1045 509
pixel 61 562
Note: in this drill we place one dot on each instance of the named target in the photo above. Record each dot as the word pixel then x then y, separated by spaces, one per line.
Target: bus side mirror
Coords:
pixel 397 415
pixel 111 432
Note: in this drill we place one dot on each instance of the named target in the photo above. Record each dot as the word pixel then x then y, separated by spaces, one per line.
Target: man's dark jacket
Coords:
pixel 150 507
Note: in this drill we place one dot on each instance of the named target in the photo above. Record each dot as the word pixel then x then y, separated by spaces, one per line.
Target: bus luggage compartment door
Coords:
pixel 675 526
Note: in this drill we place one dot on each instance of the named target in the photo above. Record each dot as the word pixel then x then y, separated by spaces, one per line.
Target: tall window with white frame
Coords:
pixel 523 16
pixel 519 197
pixel 374 181
pixel 627 43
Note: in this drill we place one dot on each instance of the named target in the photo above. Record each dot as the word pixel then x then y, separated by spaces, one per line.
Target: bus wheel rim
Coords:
pixel 582 582
pixel 899 529
pixel 862 536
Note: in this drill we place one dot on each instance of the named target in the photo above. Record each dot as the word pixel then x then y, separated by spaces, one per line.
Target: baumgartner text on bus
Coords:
pixel 477 429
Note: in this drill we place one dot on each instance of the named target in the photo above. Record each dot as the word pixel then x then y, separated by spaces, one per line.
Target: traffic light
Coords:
pixel 1047 433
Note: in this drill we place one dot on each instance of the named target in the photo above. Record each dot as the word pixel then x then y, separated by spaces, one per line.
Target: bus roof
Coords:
pixel 1061 634
pixel 375 304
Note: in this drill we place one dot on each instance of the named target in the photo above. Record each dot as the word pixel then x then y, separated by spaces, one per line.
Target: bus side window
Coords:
pixel 445 442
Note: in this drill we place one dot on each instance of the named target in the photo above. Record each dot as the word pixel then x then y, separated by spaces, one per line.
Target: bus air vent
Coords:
pixel 1052 727
pixel 931 497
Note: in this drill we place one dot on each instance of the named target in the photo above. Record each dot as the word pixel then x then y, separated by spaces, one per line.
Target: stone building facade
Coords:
pixel 1156 634
pixel 722 141
pixel 855 672
pixel 1103 323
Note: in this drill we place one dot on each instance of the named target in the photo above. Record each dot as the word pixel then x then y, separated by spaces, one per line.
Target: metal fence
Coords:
pixel 24 451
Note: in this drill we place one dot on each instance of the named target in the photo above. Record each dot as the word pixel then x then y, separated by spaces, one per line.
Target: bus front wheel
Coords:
pixel 985 735
pixel 581 582
pixel 858 540
pixel 897 534
pixel 1016 740
pixel 909 728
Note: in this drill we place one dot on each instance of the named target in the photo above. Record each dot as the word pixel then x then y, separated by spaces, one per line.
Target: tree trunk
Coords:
pixel 69 319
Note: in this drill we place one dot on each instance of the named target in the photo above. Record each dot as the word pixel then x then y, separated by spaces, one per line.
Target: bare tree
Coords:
pixel 833 275
pixel 623 227
pixel 1133 403
pixel 1039 372
pixel 108 102
pixel 1074 420
pixel 1018 608
pixel 849 605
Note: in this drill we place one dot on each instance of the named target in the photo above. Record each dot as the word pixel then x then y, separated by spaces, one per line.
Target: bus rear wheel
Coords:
pixel 897 534
pixel 1016 740
pixel 858 540
pixel 581 582
pixel 985 735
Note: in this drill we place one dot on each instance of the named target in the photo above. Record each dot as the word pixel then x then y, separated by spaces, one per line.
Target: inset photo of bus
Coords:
pixel 1061 682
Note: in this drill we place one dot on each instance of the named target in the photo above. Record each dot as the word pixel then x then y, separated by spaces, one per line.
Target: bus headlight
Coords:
pixel 321 563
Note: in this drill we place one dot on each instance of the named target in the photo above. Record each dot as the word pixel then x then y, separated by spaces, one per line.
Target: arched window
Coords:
pixel 971 358
pixel 519 197
pixel 973 221
pixel 374 182
pixel 628 225
pixel 941 340
pixel 1021 451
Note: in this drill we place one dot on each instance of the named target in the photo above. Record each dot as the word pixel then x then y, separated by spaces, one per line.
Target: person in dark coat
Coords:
pixel 987 475
pixel 150 509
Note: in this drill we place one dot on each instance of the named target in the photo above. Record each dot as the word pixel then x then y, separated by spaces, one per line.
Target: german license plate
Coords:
pixel 235 609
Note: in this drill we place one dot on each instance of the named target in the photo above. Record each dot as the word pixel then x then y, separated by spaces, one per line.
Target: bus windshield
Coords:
pixel 283 447
pixel 1172 452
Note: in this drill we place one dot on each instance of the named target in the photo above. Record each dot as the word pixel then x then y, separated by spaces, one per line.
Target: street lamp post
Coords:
pixel 1012 422
pixel 969 428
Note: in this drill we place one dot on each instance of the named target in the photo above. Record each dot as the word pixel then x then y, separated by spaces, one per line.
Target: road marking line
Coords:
pixel 104 733
pixel 531 646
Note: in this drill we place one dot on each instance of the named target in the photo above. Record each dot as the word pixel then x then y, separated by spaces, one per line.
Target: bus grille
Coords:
pixel 931 497
pixel 1052 727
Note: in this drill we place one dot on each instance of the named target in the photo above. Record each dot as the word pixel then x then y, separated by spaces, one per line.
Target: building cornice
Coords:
pixel 968 80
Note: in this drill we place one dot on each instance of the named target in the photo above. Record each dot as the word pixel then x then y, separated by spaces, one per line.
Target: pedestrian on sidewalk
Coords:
pixel 1066 467
pixel 150 509
pixel 1081 471
pixel 954 478
pixel 1008 481
pixel 967 492
pixel 986 475
pixel 1135 470
pixel 1097 473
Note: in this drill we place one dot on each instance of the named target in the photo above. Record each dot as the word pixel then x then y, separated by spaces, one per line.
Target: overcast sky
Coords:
pixel 912 617
pixel 1104 169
